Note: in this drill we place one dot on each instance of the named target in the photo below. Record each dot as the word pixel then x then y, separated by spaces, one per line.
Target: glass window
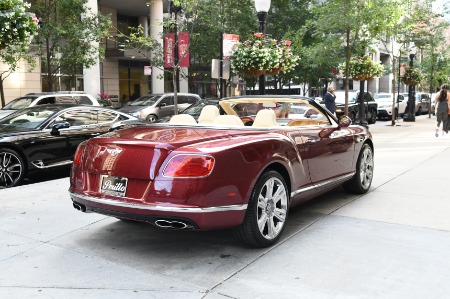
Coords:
pixel 83 100
pixel 27 118
pixel 19 103
pixel 167 101
pixel 182 100
pixel 192 100
pixel 79 117
pixel 46 100
pixel 65 99
pixel 107 116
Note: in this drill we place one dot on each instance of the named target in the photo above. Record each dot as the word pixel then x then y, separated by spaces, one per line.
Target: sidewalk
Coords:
pixel 392 242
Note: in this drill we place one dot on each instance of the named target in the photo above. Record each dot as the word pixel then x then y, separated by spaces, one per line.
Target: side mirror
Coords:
pixel 344 121
pixel 58 126
pixel 163 105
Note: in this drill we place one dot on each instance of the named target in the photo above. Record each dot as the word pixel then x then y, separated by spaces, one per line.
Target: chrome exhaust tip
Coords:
pixel 172 224
pixel 79 206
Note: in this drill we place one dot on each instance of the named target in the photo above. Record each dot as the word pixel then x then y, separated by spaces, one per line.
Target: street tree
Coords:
pixel 352 26
pixel 18 26
pixel 68 39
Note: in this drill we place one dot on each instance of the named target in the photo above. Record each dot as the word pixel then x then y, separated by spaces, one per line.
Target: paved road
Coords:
pixel 393 242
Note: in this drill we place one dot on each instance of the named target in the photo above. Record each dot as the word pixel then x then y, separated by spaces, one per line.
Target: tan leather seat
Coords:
pixel 265 118
pixel 182 119
pixel 208 114
pixel 232 120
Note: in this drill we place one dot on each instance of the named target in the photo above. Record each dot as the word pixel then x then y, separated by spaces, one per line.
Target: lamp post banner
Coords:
pixel 229 40
pixel 183 49
pixel 169 55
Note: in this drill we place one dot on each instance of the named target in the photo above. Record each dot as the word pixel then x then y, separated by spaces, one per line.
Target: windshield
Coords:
pixel 340 97
pixel 382 96
pixel 19 103
pixel 195 109
pixel 30 118
pixel 145 101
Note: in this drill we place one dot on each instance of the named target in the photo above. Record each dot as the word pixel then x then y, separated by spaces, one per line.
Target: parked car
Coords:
pixel 370 106
pixel 422 102
pixel 45 137
pixel 155 106
pixel 384 101
pixel 42 98
pixel 195 109
pixel 223 174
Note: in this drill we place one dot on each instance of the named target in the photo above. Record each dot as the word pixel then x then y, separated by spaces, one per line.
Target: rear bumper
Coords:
pixel 202 218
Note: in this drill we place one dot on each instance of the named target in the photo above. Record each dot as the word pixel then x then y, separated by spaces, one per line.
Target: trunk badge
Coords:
pixel 114 152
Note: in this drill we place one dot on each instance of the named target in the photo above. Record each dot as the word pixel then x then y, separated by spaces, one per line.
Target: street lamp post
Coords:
pixel 411 106
pixel 262 7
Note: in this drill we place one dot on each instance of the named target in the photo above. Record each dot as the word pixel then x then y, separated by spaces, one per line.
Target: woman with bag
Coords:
pixel 442 100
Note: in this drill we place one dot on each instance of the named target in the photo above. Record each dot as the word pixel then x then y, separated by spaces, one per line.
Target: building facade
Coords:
pixel 121 74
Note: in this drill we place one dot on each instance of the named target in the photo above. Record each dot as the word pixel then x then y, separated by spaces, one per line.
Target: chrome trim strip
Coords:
pixel 41 165
pixel 159 208
pixel 333 181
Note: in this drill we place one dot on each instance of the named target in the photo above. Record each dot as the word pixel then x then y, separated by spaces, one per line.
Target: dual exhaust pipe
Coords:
pixel 172 224
pixel 162 223
pixel 79 206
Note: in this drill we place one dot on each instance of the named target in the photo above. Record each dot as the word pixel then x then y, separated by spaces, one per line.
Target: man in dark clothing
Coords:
pixel 330 100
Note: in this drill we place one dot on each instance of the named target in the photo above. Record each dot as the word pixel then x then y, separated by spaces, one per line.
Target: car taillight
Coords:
pixel 78 156
pixel 189 166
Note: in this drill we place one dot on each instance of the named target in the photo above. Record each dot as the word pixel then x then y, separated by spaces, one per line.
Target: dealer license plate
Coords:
pixel 113 185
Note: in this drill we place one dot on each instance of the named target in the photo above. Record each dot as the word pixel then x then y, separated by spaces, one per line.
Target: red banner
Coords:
pixel 169 55
pixel 183 49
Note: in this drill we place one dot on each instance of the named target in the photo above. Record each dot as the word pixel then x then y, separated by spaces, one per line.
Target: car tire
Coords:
pixel 266 215
pixel 151 118
pixel 12 168
pixel 352 116
pixel 373 117
pixel 361 181
pixel 419 112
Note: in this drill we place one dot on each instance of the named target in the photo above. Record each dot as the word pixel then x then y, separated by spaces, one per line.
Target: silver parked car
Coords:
pixel 42 98
pixel 155 106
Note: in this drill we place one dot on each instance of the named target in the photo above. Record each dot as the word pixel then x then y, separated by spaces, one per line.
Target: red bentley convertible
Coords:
pixel 242 170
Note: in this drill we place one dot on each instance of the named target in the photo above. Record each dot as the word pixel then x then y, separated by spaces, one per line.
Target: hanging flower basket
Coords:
pixel 412 76
pixel 410 82
pixel 274 71
pixel 364 68
pixel 252 72
pixel 260 53
pixel 359 78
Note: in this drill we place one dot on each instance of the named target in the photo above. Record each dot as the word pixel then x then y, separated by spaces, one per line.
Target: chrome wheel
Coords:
pixel 272 208
pixel 11 168
pixel 151 118
pixel 266 213
pixel 361 181
pixel 366 168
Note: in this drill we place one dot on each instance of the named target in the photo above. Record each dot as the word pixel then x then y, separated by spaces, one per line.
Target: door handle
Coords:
pixel 311 141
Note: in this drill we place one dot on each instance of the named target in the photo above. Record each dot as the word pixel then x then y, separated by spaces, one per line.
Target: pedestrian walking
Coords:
pixel 330 100
pixel 442 110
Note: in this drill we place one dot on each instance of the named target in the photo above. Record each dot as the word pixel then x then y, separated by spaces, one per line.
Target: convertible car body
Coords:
pixel 242 170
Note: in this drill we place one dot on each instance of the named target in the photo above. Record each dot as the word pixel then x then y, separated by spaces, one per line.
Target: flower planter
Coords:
pixel 273 71
pixel 359 78
pixel 410 82
pixel 253 72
